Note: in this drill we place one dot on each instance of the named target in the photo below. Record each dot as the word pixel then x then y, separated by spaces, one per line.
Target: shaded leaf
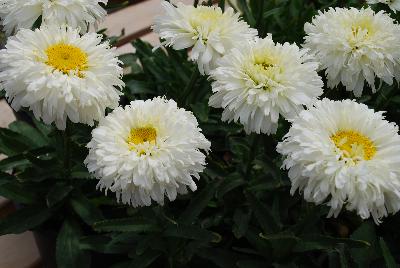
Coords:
pixel 126 225
pixel 68 253
pixel 24 219
pixel 387 255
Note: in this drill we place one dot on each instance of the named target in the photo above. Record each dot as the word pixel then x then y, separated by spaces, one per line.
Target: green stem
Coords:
pixel 252 154
pixel 67 152
pixel 189 87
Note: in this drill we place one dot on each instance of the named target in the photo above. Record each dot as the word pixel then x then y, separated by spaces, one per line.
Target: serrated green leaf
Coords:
pixel 320 242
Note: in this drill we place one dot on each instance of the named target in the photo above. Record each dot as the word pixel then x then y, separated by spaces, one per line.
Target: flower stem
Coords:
pixel 189 86
pixel 67 151
pixel 252 154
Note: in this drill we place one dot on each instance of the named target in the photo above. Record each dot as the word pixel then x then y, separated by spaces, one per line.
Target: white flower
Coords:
pixel 58 74
pixel 347 153
pixel 258 82
pixel 210 32
pixel 393 4
pixel 17 14
pixel 147 150
pixel 355 45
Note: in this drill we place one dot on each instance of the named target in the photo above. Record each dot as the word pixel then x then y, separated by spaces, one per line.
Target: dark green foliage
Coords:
pixel 242 214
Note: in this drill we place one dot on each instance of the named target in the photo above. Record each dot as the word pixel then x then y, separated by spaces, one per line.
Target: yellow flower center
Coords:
pixel 354 145
pixel 141 135
pixel 264 70
pixel 67 58
pixel 360 32
pixel 205 15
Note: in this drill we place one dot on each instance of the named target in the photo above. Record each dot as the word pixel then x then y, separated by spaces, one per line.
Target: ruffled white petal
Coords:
pixel 54 96
pixel 17 14
pixel 210 32
pixel 321 172
pixel 354 46
pixel 257 83
pixel 150 171
pixel 393 4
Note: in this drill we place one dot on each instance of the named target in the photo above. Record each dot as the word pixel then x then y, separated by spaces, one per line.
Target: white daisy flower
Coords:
pixel 17 14
pixel 393 4
pixel 147 150
pixel 355 45
pixel 347 153
pixel 58 74
pixel 258 82
pixel 210 32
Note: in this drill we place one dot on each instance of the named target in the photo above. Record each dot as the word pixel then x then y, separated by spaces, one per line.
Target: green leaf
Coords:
pixel 198 203
pixel 363 257
pixel 6 178
pixel 145 260
pixel 263 214
pixel 387 255
pixel 251 264
pixel 222 258
pixel 126 225
pixel 12 143
pixel 192 232
pixel 68 252
pixel 13 161
pixel 241 223
pixel 18 193
pixel 31 134
pixel 320 242
pixel 271 12
pixel 200 110
pixel 57 193
pixel 104 244
pixel 139 87
pixel 24 219
pixel 85 209
pixel 229 183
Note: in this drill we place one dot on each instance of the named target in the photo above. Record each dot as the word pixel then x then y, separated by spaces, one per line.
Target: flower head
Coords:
pixel 58 74
pixel 393 4
pixel 147 150
pixel 210 32
pixel 17 14
pixel 355 45
pixel 347 153
pixel 262 80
